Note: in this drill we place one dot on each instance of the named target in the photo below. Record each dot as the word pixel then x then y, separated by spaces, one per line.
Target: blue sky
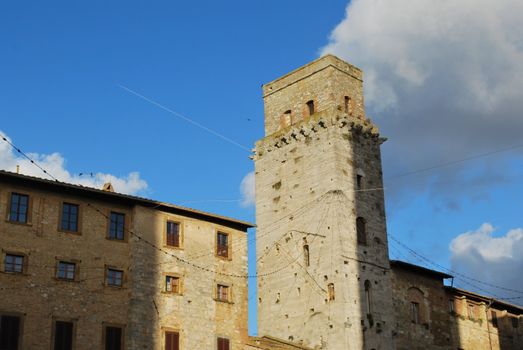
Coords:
pixel 63 66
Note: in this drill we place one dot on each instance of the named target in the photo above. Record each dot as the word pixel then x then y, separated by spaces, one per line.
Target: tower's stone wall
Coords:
pixel 307 195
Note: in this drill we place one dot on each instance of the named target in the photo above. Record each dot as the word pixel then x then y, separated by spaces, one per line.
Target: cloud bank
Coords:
pixel 443 80
pixel 494 259
pixel 55 165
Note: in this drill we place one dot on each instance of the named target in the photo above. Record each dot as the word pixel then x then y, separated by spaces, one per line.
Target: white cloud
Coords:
pixel 247 190
pixel 494 259
pixel 55 165
pixel 442 78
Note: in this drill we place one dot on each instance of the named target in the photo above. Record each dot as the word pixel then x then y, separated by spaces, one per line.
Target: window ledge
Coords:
pixel 172 293
pixel 29 223
pixel 76 233
pixel 223 301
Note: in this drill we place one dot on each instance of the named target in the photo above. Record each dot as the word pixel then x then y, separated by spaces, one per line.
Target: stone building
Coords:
pixel 93 269
pixel 320 211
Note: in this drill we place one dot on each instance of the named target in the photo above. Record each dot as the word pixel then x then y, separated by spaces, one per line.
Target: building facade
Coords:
pixel 93 269
pixel 90 269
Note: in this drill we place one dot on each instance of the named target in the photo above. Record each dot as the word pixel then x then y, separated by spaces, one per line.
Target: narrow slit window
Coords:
pixel 310 107
pixel 306 255
pixel 331 292
pixel 359 182
pixel 451 306
pixel 415 312
pixel 494 318
pixel 348 108
pixel 361 230
pixel 368 298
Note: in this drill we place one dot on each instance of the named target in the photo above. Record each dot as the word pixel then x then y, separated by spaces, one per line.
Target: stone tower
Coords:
pixel 322 255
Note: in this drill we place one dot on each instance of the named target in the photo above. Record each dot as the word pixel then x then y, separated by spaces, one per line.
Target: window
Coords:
pixel 113 337
pixel 286 119
pixel 69 217
pixel 415 313
pixel 515 321
pixel 172 284
pixel 306 256
pixel 66 270
pixel 9 332
pixel 173 234
pixel 494 318
pixel 348 106
pixel 117 226
pixel 471 311
pixel 19 208
pixel 222 292
pixel 63 335
pixel 359 182
pixel 222 245
pixel 172 341
pixel 452 306
pixel 361 230
pixel 368 296
pixel 114 277
pixel 330 289
pixel 223 343
pixel 14 263
pixel 310 107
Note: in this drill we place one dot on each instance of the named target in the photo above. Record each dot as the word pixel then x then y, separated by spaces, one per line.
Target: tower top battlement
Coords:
pixel 324 84
pixel 309 69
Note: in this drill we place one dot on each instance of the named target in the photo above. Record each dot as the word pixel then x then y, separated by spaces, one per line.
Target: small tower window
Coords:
pixel 361 230
pixel 359 182
pixel 306 257
pixel 368 297
pixel 348 107
pixel 415 311
pixel 330 290
pixel 286 119
pixel 310 106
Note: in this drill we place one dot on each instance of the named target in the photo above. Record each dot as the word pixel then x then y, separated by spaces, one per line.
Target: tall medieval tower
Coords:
pixel 322 253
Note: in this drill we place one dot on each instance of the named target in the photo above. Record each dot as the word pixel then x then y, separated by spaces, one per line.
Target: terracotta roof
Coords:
pixel 26 180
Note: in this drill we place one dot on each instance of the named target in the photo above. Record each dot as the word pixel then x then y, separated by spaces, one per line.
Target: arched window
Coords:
pixel 330 290
pixel 416 298
pixel 286 119
pixel 368 297
pixel 306 257
pixel 310 106
pixel 361 230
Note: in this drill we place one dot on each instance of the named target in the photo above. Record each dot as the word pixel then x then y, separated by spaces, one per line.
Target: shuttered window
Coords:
pixel 223 344
pixel 173 234
pixel 172 341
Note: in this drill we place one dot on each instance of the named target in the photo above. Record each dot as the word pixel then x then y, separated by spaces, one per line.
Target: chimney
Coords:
pixel 108 187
